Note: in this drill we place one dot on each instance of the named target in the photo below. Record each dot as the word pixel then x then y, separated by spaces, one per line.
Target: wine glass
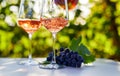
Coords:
pixel 54 18
pixel 30 12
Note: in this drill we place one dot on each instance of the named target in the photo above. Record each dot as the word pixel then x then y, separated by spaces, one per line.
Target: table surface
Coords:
pixel 101 67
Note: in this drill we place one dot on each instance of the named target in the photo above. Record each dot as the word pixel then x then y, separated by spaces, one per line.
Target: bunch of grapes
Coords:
pixel 66 57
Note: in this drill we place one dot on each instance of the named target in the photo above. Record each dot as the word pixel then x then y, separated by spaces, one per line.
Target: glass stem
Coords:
pixel 30 49
pixel 54 40
pixel 66 8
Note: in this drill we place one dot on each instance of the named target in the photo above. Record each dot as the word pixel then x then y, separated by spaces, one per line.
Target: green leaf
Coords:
pixel 76 45
pixel 89 59
pixel 45 62
pixel 86 54
pixel 83 50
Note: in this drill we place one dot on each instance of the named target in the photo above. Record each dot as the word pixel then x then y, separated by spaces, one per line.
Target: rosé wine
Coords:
pixel 29 25
pixel 55 24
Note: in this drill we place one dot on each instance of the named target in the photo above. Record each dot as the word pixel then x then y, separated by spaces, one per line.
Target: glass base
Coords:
pixel 50 66
pixel 28 62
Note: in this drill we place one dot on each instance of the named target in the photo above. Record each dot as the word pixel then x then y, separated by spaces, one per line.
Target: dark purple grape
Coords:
pixel 73 65
pixel 76 52
pixel 69 63
pixel 73 56
pixel 61 49
pixel 67 50
pixel 50 54
pixel 64 63
pixel 57 58
pixel 61 59
pixel 71 52
pixel 80 59
pixel 67 55
pixel 59 62
pixel 62 53
pixel 66 59
pixel 74 61
pixel 78 64
pixel 49 58
pixel 69 60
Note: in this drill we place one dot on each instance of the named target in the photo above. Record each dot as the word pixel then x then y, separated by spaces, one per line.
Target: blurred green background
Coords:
pixel 97 21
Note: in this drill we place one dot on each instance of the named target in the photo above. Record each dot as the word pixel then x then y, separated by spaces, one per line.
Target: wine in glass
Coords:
pixel 30 12
pixel 54 19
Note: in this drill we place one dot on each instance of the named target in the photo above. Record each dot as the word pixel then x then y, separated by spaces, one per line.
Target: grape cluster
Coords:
pixel 66 57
